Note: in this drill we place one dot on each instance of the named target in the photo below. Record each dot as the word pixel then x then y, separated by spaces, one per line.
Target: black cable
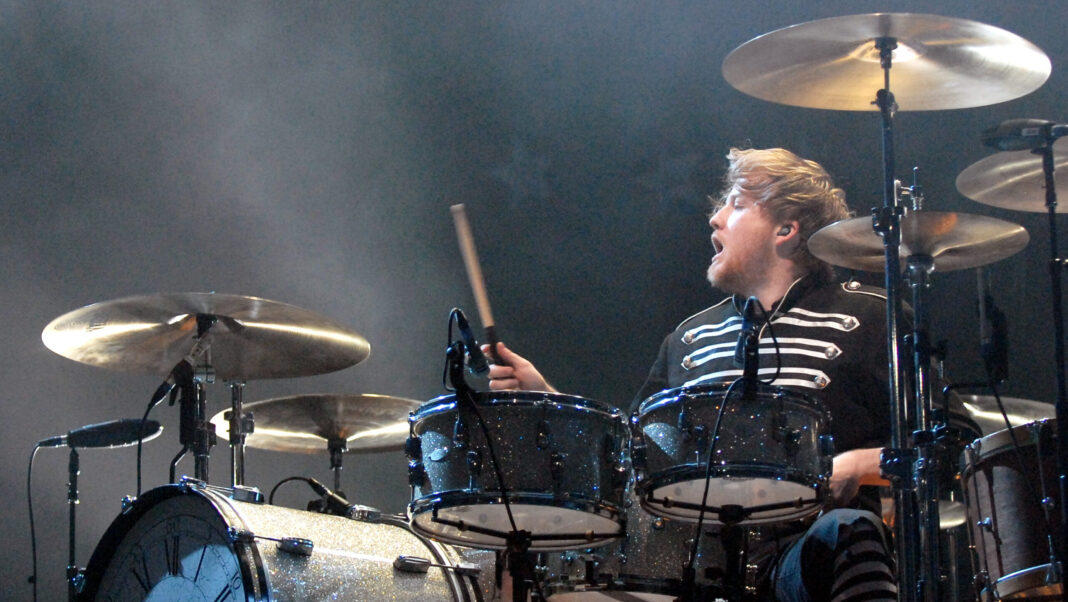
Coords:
pixel 270 497
pixel 33 532
pixel 692 560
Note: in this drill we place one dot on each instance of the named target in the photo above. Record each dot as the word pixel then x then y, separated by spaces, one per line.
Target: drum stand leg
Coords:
pixel 732 536
pixel 520 567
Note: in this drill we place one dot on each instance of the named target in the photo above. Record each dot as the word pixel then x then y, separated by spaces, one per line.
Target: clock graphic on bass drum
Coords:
pixel 191 541
pixel 177 548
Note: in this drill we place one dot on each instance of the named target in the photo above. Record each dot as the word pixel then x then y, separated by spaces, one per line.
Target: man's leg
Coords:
pixel 842 557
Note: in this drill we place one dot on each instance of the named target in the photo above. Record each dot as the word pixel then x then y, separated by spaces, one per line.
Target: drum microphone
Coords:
pixel 746 352
pixel 338 506
pixel 114 433
pixel 1023 134
pixel 476 360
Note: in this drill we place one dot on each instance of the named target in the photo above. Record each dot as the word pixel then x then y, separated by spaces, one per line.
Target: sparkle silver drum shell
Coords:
pixel 192 542
pixel 1009 528
pixel 772 454
pixel 562 459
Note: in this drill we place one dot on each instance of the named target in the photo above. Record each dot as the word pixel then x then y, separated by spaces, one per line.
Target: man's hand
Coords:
pixel 851 470
pixel 516 374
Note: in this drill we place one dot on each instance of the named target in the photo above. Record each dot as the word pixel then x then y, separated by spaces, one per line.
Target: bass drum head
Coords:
pixel 181 542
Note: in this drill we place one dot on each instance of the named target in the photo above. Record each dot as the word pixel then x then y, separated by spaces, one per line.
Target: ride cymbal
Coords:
pixel 308 423
pixel 248 338
pixel 939 63
pixel 1014 179
pixel 955 241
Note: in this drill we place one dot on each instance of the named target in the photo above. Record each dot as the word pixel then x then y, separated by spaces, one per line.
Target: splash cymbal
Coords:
pixel 939 63
pixel 1014 179
pixel 249 337
pixel 955 241
pixel 308 423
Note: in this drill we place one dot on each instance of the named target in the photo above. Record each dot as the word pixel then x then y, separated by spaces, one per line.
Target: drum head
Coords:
pixel 482 522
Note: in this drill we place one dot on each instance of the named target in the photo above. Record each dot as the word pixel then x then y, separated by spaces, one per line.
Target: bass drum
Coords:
pixel 192 542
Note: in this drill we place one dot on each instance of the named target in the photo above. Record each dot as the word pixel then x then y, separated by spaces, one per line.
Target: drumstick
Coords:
pixel 474 275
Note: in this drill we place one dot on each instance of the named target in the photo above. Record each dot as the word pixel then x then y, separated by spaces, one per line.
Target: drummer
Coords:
pixel 831 346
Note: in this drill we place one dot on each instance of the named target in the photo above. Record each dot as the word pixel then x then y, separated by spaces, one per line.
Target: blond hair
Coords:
pixel 789 188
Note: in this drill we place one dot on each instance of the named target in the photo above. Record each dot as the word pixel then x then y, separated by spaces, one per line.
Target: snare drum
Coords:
pixel 192 542
pixel 1008 527
pixel 561 458
pixel 772 454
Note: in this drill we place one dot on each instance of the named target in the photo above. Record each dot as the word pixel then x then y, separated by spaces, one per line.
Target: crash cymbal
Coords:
pixel 939 63
pixel 251 337
pixel 984 411
pixel 1014 179
pixel 954 240
pixel 307 423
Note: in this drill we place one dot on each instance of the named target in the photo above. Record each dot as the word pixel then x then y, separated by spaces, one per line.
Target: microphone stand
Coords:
pixel 517 541
pixel 74 576
pixel 1056 265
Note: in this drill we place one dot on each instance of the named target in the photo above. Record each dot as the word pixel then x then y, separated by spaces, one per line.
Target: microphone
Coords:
pixel 1022 134
pixel 338 506
pixel 746 353
pixel 114 433
pixel 476 360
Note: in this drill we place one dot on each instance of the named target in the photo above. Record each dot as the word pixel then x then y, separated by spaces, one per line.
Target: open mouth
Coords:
pixel 717 246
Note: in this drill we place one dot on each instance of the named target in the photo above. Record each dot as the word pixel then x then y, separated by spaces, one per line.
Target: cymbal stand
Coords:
pixel 337 448
pixel 1056 265
pixel 897 460
pixel 240 426
pixel 927 461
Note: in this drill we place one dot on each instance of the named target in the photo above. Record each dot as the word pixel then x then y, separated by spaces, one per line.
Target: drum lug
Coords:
pixel 298 546
pixel 459 433
pixel 474 468
pixel 416 474
pixel 541 439
pixel 413 448
pixel 700 434
pixel 556 470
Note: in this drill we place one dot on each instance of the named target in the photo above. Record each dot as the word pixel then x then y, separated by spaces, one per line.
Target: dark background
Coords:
pixel 307 152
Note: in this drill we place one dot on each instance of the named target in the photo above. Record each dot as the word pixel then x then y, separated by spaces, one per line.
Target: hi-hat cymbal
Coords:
pixel 939 63
pixel 1014 179
pixel 955 241
pixel 251 337
pixel 983 409
pixel 308 423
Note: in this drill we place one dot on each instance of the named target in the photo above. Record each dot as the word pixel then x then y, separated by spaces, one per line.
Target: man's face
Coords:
pixel 743 238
